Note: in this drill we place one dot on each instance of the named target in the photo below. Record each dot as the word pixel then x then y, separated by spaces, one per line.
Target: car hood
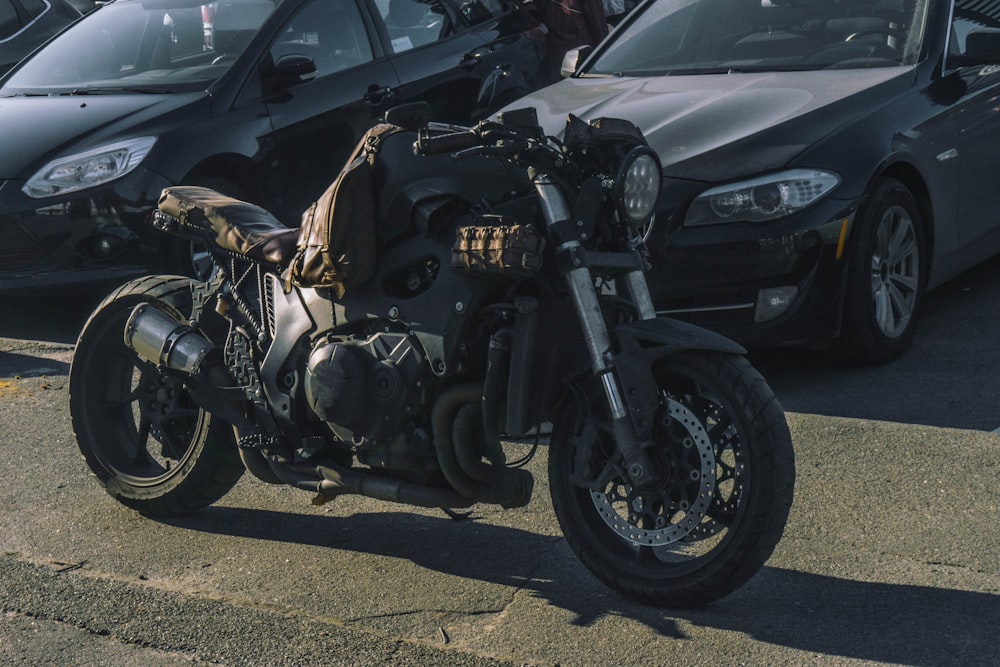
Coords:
pixel 714 127
pixel 38 129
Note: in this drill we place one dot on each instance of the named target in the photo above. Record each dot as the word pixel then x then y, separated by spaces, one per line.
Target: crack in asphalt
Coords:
pixel 215 629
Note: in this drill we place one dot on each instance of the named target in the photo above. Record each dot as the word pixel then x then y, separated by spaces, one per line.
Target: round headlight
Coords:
pixel 726 204
pixel 769 198
pixel 638 184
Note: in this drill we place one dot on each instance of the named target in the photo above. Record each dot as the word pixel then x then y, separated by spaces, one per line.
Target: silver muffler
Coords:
pixel 162 340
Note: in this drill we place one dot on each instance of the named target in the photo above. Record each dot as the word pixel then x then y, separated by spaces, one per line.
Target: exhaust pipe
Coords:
pixel 337 480
pixel 161 340
pixel 456 446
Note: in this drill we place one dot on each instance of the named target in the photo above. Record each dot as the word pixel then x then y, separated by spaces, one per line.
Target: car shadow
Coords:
pixel 950 376
pixel 14 364
pixel 832 616
pixel 48 318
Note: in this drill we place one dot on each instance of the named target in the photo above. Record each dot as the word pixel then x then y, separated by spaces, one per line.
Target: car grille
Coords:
pixel 18 251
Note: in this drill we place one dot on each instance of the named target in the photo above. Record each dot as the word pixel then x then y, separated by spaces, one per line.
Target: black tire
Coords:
pixel 726 472
pixel 886 278
pixel 148 444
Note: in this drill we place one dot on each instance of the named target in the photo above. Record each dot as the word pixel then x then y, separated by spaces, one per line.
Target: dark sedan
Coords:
pixel 25 24
pixel 261 99
pixel 826 161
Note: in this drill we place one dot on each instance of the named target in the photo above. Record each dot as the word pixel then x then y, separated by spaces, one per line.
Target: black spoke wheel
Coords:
pixel 724 478
pixel 143 437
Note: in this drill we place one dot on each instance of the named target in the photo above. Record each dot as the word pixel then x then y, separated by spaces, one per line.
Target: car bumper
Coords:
pixel 78 241
pixel 763 285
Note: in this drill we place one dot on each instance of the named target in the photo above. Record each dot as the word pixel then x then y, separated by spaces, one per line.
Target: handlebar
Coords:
pixel 446 143
pixel 489 138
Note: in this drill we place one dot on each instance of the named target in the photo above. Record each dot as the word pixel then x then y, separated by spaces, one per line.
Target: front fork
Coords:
pixel 595 331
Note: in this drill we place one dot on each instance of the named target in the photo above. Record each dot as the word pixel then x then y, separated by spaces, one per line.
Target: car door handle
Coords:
pixel 377 95
pixel 470 60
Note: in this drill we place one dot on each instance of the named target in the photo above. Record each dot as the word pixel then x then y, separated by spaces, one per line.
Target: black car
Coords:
pixel 825 161
pixel 260 99
pixel 25 24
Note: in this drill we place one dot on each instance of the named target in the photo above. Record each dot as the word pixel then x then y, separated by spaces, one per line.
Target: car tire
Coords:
pixel 886 277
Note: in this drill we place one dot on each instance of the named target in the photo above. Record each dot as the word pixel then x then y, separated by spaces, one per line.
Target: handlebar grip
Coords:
pixel 446 143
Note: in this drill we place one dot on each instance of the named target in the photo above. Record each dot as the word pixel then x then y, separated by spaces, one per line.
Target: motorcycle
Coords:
pixel 457 292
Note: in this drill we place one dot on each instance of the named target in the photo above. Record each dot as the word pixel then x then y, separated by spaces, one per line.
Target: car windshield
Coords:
pixel 675 37
pixel 143 46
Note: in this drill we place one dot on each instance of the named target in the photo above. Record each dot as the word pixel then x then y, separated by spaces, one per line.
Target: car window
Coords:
pixel 672 37
pixel 234 23
pixel 331 32
pixel 480 11
pixel 972 18
pixel 413 23
pixel 171 45
pixel 34 7
pixel 186 36
pixel 9 24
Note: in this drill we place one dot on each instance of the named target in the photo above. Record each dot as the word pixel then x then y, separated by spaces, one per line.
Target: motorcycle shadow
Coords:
pixel 822 614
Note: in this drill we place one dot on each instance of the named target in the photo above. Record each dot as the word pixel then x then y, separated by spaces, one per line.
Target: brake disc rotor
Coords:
pixel 624 507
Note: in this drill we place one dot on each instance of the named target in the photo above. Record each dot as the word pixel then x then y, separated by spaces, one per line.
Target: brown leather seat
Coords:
pixel 239 226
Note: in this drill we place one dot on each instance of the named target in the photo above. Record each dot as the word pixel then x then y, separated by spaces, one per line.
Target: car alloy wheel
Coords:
pixel 895 271
pixel 887 276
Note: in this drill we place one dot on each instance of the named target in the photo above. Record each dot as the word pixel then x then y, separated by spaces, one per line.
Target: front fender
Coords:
pixel 668 336
pixel 641 344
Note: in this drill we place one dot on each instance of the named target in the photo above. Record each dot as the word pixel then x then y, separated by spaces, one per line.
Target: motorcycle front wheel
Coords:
pixel 140 433
pixel 725 473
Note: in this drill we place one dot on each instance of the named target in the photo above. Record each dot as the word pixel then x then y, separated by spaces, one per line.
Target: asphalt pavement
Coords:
pixel 891 554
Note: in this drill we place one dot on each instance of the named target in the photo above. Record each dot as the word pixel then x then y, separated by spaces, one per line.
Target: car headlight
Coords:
pixel 761 199
pixel 637 185
pixel 85 170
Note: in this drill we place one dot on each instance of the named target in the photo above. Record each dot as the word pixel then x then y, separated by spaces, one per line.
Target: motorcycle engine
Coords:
pixel 369 394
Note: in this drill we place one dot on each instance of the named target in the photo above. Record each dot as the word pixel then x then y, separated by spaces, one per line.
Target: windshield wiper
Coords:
pixel 695 71
pixel 666 72
pixel 113 91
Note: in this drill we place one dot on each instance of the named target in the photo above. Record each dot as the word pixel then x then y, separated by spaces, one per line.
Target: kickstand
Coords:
pixel 457 516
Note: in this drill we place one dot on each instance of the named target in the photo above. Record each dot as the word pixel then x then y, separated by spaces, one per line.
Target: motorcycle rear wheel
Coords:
pixel 140 433
pixel 725 477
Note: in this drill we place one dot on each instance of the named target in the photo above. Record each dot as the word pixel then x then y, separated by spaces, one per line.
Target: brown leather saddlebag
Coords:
pixel 337 238
pixel 499 246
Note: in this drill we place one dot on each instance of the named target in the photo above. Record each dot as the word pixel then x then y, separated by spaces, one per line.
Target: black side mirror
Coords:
pixel 981 48
pixel 409 116
pixel 293 69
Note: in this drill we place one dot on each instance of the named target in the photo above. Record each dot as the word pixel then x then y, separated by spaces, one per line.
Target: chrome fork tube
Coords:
pixel 588 309
pixel 638 289
pixel 595 332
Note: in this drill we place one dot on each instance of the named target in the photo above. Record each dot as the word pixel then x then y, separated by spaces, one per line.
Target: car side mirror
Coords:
pixel 573 59
pixel 981 48
pixel 294 69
